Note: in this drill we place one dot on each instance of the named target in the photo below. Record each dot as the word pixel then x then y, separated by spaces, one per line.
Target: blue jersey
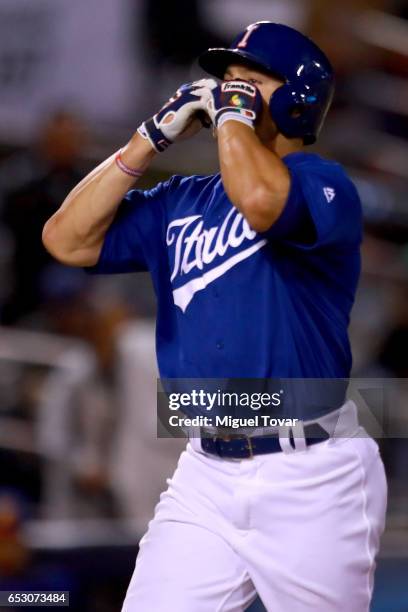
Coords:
pixel 240 304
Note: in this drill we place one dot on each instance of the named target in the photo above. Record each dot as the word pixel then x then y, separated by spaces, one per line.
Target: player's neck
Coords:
pixel 283 146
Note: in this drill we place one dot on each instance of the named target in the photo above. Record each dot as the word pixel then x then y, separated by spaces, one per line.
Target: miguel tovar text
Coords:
pixel 231 422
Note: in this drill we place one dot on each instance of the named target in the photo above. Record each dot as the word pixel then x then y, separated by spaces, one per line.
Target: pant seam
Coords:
pixel 239 583
pixel 371 557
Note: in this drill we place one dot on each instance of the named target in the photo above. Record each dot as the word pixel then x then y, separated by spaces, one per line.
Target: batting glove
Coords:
pixel 181 117
pixel 234 100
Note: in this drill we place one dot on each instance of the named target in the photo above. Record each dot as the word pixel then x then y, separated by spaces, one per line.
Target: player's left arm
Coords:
pixel 256 181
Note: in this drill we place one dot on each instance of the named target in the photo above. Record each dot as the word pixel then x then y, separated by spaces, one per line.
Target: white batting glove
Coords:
pixel 181 117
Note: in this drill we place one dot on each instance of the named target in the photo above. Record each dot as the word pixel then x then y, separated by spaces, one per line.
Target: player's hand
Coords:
pixel 235 100
pixel 181 117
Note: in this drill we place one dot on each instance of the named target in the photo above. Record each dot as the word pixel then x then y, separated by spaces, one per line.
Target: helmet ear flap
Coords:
pixel 289 111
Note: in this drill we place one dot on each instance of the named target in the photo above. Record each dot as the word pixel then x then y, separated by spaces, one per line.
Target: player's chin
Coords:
pixel 264 136
pixel 266 129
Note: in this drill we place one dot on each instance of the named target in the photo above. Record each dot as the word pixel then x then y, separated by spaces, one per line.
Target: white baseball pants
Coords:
pixel 301 529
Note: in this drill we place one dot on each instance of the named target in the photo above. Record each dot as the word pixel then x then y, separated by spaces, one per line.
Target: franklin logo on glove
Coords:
pixel 244 106
pixel 239 86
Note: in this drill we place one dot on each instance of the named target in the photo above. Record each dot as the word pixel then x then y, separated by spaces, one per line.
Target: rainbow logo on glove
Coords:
pixel 236 100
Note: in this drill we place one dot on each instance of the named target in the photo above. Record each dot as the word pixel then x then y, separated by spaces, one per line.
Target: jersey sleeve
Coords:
pixel 322 208
pixel 135 236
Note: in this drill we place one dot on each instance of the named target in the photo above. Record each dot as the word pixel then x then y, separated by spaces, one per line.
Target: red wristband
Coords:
pixel 126 169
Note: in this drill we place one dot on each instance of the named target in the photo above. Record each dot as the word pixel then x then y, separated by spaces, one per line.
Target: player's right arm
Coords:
pixel 75 233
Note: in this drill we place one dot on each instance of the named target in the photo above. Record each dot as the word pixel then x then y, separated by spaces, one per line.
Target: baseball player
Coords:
pixel 255 270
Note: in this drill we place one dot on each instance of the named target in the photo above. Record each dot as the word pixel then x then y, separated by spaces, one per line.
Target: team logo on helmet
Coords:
pixel 250 29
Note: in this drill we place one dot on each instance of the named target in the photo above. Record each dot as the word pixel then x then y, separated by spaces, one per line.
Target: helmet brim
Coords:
pixel 216 61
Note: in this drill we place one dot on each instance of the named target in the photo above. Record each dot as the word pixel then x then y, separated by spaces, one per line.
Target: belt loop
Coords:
pixel 194 437
pixel 347 421
pixel 284 440
pixel 298 433
pixel 193 432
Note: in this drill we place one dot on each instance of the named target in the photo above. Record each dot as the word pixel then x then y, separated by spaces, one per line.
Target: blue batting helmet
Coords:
pixel 300 105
